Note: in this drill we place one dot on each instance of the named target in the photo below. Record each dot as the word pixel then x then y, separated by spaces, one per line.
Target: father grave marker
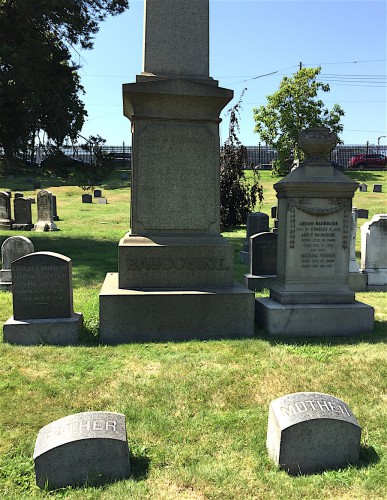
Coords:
pixel 310 432
pixel 42 301
pixel 86 448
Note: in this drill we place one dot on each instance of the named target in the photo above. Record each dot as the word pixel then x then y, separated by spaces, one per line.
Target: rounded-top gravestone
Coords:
pixel 12 249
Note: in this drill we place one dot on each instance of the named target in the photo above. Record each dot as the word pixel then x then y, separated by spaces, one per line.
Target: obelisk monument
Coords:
pixel 175 276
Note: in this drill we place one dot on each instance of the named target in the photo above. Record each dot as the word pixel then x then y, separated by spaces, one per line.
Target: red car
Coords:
pixel 370 160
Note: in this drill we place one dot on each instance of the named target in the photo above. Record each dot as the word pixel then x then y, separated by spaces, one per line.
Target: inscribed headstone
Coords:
pixel 23 214
pixel 86 448
pixel 42 286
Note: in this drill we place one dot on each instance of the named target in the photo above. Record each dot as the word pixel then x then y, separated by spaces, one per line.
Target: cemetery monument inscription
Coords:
pixel 174 262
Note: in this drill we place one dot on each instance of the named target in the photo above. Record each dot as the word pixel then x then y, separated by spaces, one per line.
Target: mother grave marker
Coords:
pixel 88 447
pixel 310 432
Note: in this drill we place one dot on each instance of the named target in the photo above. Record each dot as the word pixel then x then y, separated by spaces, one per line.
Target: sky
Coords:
pixel 253 45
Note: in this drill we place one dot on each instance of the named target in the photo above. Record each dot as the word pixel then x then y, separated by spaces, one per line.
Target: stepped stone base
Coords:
pixel 259 283
pixel 314 320
pixel 128 315
pixel 58 331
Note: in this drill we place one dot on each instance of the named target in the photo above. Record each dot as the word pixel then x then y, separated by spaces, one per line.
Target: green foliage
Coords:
pixel 39 84
pixel 294 107
pixel 238 197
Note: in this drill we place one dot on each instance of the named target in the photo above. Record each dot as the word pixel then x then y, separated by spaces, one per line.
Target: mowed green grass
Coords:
pixel 196 412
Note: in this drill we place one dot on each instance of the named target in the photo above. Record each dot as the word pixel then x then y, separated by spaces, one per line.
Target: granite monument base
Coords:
pixel 52 331
pixel 357 282
pixel 259 282
pixel 314 320
pixel 168 314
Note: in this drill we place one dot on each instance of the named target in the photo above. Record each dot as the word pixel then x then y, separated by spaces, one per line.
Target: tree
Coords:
pixel 294 107
pixel 238 196
pixel 39 84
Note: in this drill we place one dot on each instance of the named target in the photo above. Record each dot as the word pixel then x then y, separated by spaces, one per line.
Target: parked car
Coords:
pixel 370 160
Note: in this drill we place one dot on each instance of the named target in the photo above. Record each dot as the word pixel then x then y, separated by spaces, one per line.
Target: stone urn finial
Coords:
pixel 317 143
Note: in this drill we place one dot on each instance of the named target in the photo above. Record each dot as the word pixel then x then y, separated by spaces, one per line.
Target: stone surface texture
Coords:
pixel 86 448
pixel 314 232
pixel 374 252
pixel 175 274
pixel 309 432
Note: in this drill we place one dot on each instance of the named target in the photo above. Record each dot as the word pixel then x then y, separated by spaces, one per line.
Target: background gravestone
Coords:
pixel 86 448
pixel 263 261
pixel 42 301
pixel 12 248
pixel 97 193
pixel 5 210
pixel 363 187
pixel 102 201
pixel 45 212
pixel 23 214
pixel 374 252
pixel 357 280
pixel 310 432
pixel 87 198
pixel 55 215
pixel 257 222
pixel 362 213
pixel 377 188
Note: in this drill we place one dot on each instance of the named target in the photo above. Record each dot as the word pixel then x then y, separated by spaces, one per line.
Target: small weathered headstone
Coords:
pixel 42 301
pixel 23 214
pixel 363 187
pixel 5 210
pixel 12 248
pixel 45 212
pixel 374 252
pixel 362 213
pixel 377 188
pixel 257 222
pixel 87 198
pixel 86 448
pixel 97 193
pixel 309 432
pixel 102 201
pixel 263 261
pixel 54 209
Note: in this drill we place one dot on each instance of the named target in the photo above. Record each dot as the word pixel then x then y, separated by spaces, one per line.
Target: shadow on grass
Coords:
pixel 367 457
pixel 139 467
pixel 364 176
pixel 379 335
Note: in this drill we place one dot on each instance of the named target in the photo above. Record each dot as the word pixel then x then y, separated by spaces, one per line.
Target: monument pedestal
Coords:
pixel 128 315
pixel 52 331
pixel 314 320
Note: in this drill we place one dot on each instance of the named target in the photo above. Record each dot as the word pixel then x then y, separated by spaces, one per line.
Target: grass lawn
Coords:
pixel 196 412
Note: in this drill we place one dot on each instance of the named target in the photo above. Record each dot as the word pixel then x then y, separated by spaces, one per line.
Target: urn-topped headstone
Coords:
pixel 310 295
pixel 174 262
pixel 309 432
pixel 12 249
pixel 42 301
pixel 86 448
